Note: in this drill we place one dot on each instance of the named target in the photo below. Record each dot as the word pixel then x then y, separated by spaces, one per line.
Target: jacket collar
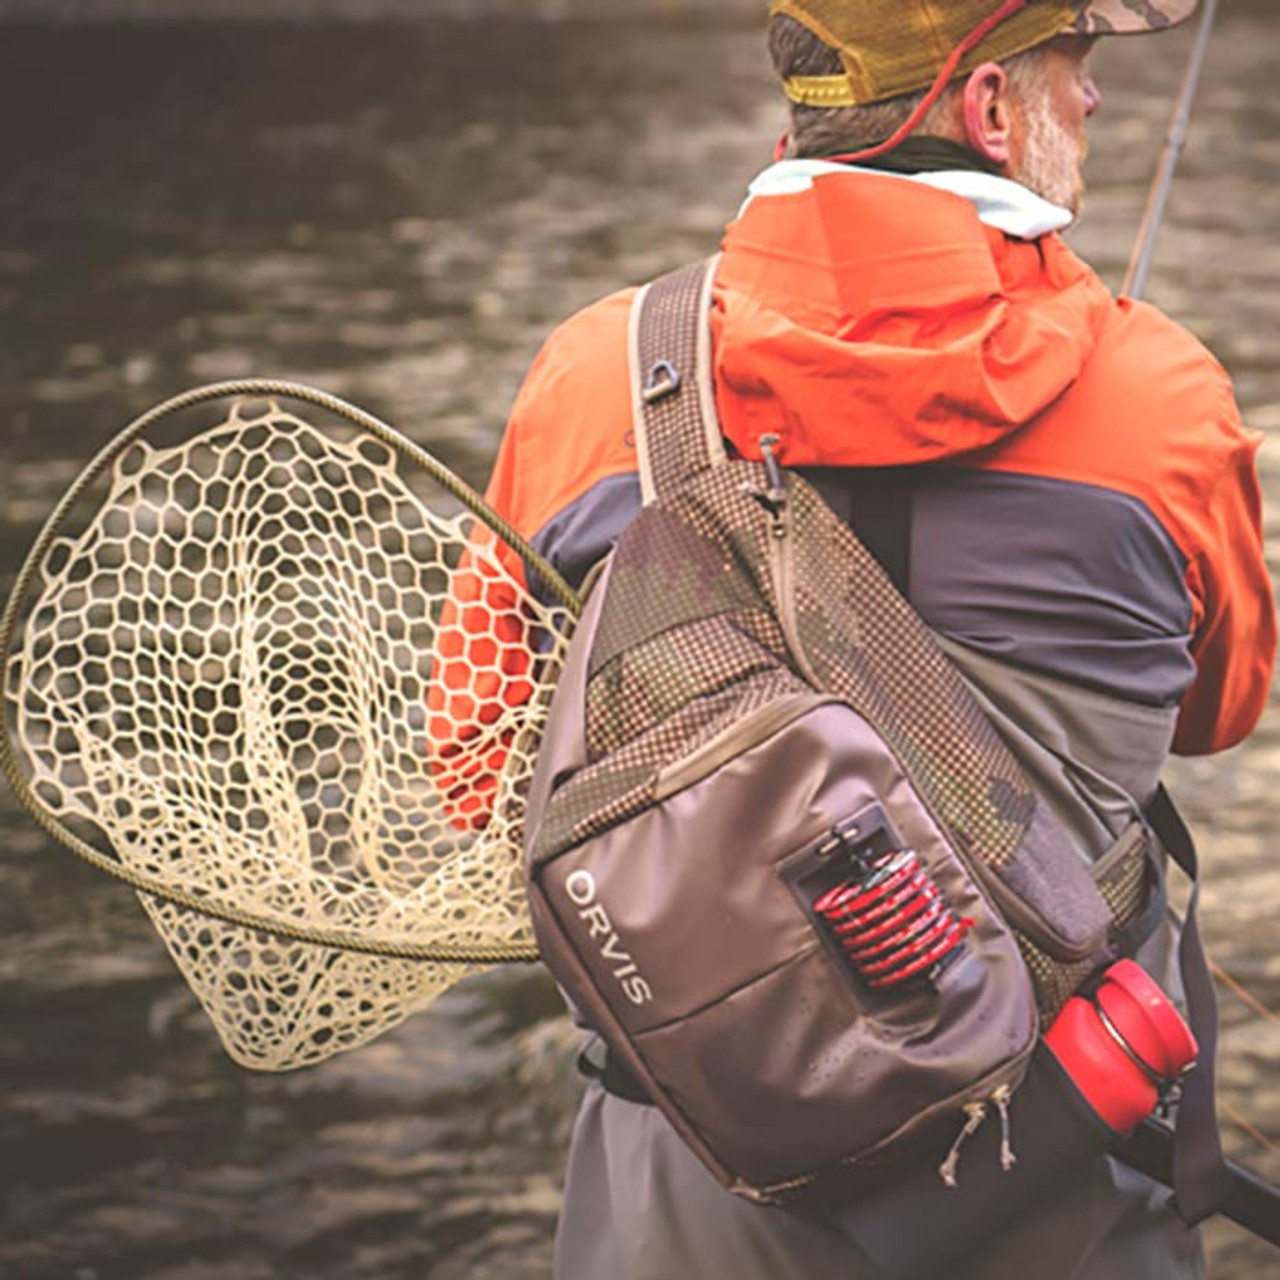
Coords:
pixel 1000 203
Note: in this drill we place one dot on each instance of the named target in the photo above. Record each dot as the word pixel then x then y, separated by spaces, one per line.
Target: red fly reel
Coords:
pixel 891 922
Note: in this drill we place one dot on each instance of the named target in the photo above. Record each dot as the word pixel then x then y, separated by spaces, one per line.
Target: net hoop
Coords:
pixel 210 904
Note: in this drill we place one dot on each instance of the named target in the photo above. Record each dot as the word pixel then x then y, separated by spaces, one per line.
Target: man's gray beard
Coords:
pixel 1051 160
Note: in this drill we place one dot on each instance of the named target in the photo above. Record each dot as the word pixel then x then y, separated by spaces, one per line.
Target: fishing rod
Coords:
pixel 1135 280
pixel 1248 1200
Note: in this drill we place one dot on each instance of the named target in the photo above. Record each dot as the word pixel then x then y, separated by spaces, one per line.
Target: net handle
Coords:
pixel 251 388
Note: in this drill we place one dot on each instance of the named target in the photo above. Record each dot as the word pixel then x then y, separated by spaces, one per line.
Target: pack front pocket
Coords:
pixel 685 920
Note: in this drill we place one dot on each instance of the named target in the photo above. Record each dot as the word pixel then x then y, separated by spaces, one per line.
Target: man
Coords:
pixel 1058 480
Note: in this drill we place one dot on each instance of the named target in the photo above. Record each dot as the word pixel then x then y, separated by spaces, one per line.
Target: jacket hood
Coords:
pixel 872 319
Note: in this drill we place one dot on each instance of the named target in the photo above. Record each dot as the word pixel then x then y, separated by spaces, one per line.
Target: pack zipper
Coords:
pixel 781 563
pixel 975 1116
pixel 994 1091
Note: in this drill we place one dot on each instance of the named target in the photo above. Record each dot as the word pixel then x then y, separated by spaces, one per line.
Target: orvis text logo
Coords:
pixel 581 888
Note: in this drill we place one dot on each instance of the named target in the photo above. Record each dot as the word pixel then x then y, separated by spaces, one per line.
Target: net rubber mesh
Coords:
pixel 268 673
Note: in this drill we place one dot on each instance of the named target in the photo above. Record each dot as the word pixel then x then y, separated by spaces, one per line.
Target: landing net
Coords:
pixel 293 693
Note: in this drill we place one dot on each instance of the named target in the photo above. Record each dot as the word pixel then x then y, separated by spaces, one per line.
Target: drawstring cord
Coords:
pixel 1002 1097
pixel 975 1114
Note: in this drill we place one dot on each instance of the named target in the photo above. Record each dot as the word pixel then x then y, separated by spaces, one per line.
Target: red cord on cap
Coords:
pixel 971 41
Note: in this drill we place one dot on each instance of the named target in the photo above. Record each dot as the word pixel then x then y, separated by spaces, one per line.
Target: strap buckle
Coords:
pixel 664 380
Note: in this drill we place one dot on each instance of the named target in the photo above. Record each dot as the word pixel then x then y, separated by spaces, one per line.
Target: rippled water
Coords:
pixel 398 213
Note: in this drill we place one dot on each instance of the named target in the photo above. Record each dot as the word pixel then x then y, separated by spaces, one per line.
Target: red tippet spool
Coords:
pixel 891 922
pixel 1124 1046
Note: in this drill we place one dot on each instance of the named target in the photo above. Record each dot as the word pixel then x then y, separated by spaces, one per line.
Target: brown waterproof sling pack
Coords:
pixel 777 855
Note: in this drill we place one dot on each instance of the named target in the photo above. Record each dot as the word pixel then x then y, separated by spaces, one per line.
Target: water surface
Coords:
pixel 398 212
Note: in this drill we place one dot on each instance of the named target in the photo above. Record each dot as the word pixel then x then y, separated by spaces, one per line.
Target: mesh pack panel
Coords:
pixel 267 672
pixel 681 623
pixel 693 612
pixel 869 646
pixel 688 646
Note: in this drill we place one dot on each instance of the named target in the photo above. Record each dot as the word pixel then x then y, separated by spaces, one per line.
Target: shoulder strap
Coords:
pixel 673 398
pixel 1200 1177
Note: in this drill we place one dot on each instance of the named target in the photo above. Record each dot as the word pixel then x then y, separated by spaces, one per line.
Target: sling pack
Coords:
pixel 777 855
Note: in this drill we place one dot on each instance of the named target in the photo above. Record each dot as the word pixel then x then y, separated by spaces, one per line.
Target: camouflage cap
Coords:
pixel 892 47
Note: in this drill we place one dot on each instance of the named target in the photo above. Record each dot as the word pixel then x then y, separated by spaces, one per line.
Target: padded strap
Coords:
pixel 673 397
pixel 1200 1181
pixel 1251 1201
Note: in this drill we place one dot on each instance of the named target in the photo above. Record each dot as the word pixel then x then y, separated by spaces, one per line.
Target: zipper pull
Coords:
pixel 774 498
pixel 777 492
pixel 1002 1097
pixel 976 1113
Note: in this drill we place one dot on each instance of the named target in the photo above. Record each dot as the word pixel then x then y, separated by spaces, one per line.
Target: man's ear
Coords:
pixel 988 114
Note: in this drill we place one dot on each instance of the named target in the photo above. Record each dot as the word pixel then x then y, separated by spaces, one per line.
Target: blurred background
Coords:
pixel 395 200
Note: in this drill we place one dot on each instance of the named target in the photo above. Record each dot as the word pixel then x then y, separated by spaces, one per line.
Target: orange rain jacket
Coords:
pixel 1082 495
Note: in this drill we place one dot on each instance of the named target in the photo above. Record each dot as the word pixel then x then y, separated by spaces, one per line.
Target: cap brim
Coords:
pixel 1129 17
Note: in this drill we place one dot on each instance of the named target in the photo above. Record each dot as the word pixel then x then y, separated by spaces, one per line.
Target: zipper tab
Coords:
pixel 1002 1097
pixel 976 1113
pixel 774 498
pixel 781 553
pixel 777 493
